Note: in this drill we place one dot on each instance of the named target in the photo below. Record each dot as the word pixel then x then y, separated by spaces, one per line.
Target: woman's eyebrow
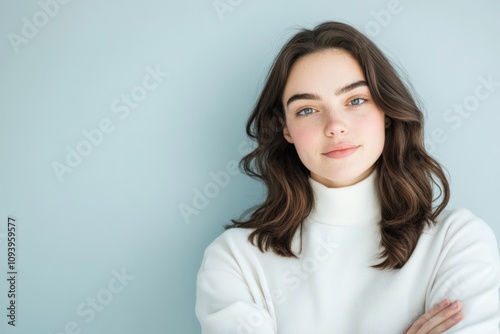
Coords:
pixel 343 90
pixel 350 87
pixel 304 96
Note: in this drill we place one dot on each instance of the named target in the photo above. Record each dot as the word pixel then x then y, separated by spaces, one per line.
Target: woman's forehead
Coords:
pixel 325 71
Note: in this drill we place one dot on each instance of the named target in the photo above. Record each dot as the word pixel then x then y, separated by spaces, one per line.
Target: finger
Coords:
pixel 450 322
pixel 440 318
pixel 427 316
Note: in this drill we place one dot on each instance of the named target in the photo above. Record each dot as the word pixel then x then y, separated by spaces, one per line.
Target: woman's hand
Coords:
pixel 441 317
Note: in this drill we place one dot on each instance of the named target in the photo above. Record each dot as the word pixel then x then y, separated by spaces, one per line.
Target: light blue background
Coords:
pixel 119 208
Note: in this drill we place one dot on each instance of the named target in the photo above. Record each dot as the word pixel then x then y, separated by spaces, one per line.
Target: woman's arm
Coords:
pixel 468 270
pixel 441 317
pixel 225 303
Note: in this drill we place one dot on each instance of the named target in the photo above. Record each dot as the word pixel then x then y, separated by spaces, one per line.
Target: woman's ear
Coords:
pixel 387 122
pixel 286 134
pixel 282 121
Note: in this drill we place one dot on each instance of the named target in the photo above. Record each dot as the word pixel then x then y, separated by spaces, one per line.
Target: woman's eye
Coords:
pixel 306 111
pixel 357 101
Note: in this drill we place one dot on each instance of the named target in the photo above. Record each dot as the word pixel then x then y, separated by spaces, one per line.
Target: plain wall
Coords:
pixel 102 245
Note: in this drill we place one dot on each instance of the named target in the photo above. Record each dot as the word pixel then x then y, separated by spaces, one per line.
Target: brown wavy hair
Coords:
pixel 406 173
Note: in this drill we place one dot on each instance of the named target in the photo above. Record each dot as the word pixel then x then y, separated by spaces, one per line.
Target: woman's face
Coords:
pixel 336 128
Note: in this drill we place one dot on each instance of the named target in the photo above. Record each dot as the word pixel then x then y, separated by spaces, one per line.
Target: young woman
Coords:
pixel 351 237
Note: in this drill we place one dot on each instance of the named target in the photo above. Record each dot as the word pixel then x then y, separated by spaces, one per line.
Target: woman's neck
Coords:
pixel 358 204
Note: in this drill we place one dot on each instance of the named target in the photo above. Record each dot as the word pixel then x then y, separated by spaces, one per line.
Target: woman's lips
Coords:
pixel 341 151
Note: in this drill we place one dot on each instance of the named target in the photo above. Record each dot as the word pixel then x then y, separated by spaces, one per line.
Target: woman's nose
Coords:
pixel 335 125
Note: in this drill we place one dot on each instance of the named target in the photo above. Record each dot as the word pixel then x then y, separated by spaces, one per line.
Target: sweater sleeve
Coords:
pixel 227 300
pixel 468 270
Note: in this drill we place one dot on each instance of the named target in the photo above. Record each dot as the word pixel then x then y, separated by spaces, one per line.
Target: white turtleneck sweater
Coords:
pixel 331 287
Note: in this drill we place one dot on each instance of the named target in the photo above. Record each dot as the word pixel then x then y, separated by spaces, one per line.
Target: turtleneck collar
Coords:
pixel 358 204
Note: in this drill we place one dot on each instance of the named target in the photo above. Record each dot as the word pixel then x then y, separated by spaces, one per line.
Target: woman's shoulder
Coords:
pixel 460 218
pixel 462 225
pixel 232 237
pixel 233 243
